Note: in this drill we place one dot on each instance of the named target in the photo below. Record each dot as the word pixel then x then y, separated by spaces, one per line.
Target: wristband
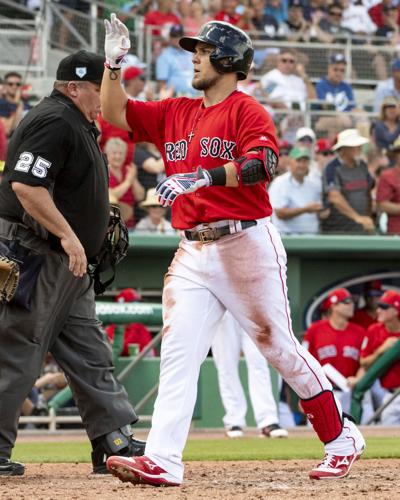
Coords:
pixel 218 176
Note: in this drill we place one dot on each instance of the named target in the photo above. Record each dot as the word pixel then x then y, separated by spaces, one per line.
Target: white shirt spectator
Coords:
pixel 357 20
pixel 286 192
pixel 284 88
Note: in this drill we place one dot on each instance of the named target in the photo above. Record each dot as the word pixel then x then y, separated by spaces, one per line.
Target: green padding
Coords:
pixel 113 312
pixel 377 370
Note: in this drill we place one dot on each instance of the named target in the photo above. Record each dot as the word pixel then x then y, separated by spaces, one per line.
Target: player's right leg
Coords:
pixel 190 315
pixel 226 347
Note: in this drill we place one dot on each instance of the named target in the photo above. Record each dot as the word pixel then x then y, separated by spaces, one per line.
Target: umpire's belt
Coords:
pixel 215 230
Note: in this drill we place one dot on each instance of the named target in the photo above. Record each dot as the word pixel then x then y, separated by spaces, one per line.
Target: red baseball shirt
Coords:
pixel 340 348
pixel 189 135
pixel 389 190
pixel 363 318
pixel 376 336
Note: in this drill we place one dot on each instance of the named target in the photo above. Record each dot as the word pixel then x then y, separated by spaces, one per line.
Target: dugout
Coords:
pixel 316 264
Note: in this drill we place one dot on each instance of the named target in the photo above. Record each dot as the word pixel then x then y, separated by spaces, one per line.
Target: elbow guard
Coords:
pixel 256 166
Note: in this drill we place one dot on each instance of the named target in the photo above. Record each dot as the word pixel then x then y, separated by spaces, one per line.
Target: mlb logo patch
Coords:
pixel 81 72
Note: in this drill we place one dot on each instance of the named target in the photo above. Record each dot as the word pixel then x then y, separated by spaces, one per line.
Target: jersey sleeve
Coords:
pixel 41 153
pixel 146 120
pixel 255 128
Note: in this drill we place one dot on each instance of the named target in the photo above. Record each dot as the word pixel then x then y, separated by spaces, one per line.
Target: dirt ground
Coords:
pixel 377 479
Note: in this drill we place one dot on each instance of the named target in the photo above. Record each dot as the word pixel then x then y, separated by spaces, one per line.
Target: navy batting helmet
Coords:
pixel 233 51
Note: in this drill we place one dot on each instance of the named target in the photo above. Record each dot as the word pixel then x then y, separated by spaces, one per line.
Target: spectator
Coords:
pixel 134 81
pixel 284 159
pixel 323 153
pixel 125 188
pixel 260 21
pixel 381 336
pixel 296 197
pixel 162 18
pixel 388 192
pixel 12 105
pixel 356 18
pixel 387 129
pixel 155 221
pixel 295 28
pixel 389 87
pixel 337 341
pixel 283 85
pixel 174 67
pixel 193 16
pixel 331 25
pixel 389 30
pixel 365 316
pixel 332 88
pixel 376 11
pixel 277 9
pixel 232 12
pixel 134 333
pixel 347 188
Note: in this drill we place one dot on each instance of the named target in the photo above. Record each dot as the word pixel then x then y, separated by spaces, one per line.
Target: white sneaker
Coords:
pixel 340 454
pixel 234 432
pixel 273 431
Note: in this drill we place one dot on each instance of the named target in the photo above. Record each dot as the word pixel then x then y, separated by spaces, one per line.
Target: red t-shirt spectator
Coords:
pixel 107 131
pixel 389 190
pixel 376 336
pixel 127 197
pixel 135 333
pixel 157 18
pixel 340 348
pixel 227 18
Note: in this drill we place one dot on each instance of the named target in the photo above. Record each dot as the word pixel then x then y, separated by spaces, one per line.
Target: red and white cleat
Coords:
pixel 140 470
pixel 334 466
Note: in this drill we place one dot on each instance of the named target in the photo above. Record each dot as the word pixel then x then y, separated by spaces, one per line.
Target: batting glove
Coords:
pixel 175 185
pixel 116 43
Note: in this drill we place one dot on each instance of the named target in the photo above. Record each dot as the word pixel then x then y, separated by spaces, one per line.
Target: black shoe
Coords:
pixel 101 452
pixel 8 468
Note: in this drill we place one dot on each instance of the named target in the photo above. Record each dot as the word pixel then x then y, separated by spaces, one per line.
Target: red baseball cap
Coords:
pixel 392 298
pixel 132 72
pixel 284 147
pixel 334 297
pixel 323 145
pixel 128 295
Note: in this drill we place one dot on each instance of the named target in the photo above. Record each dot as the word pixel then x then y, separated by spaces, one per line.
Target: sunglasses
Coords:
pixel 15 84
pixel 335 14
pixel 346 301
pixel 284 60
pixel 384 306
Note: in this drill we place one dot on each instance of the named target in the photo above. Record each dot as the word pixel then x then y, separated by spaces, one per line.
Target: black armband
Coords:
pixel 217 176
pixel 256 166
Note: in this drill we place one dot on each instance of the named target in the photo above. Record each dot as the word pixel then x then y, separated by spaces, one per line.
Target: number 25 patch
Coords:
pixel 39 168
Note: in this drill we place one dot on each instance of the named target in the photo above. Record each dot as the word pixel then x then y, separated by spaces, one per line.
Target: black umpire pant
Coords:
pixel 62 320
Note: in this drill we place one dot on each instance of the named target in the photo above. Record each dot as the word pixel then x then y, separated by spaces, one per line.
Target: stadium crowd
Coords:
pixel 339 169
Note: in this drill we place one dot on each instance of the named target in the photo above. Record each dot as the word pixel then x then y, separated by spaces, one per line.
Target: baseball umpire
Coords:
pixel 54 216
pixel 230 256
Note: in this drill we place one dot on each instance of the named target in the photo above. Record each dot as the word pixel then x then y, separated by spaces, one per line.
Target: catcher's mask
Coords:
pixel 233 52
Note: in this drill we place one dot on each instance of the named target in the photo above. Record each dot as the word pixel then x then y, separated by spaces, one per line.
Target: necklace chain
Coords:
pixel 195 122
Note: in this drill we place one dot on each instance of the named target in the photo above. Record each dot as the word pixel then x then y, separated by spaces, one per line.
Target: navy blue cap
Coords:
pixel 176 30
pixel 337 58
pixel 81 66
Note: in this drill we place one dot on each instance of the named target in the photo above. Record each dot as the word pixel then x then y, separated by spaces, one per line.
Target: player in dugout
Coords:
pixel 219 151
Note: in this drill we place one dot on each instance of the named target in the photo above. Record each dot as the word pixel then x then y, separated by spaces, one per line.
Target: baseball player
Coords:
pixel 230 339
pixel 219 152
pixel 337 342
pixel 381 336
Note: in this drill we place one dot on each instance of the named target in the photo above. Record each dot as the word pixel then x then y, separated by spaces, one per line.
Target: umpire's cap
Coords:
pixel 81 66
pixel 233 51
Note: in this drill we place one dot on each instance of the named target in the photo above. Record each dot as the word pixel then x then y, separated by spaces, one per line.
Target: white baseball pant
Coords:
pixel 230 339
pixel 244 273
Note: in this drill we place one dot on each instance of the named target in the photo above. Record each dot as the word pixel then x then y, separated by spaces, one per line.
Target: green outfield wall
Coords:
pixel 316 264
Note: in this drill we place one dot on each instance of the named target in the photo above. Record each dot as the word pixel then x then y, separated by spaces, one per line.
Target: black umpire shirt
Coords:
pixel 56 147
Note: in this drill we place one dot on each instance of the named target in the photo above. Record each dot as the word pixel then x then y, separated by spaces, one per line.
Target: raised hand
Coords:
pixel 117 41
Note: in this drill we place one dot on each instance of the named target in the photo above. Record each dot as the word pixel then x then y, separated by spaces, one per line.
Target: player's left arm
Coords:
pixel 257 165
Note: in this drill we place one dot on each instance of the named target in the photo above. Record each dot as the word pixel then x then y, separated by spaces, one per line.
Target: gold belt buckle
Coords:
pixel 207 235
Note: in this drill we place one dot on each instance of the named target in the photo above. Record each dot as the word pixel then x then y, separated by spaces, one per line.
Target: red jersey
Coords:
pixel 127 197
pixel 340 348
pixel 135 333
pixel 363 318
pixel 190 135
pixel 108 131
pixel 389 190
pixel 376 336
pixel 157 18
pixel 227 18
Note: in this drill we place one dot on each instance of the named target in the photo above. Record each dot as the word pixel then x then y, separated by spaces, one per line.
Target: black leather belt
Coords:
pixel 209 234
